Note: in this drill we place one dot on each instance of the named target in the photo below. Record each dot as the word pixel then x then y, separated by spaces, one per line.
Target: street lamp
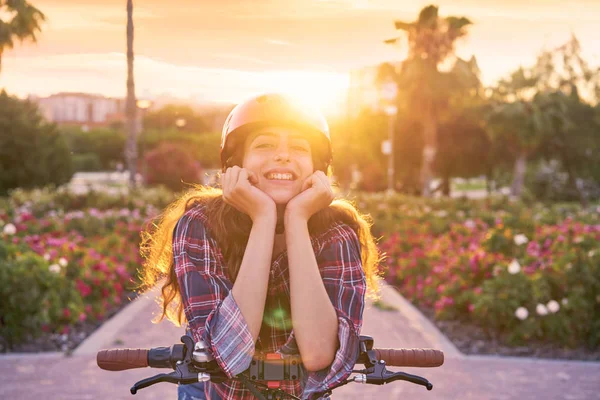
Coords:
pixel 389 92
pixel 143 105
pixel 180 123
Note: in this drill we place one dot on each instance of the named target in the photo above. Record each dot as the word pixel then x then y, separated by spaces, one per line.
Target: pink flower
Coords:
pixel 82 317
pixel 83 289
pixel 66 313
pixel 101 266
pixel 471 308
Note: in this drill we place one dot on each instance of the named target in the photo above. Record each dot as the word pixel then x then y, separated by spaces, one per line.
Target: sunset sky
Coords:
pixel 225 50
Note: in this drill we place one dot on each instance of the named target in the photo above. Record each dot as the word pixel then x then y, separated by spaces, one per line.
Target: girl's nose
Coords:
pixel 282 153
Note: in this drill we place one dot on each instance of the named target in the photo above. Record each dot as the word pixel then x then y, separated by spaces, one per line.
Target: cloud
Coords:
pixel 278 42
pixel 242 58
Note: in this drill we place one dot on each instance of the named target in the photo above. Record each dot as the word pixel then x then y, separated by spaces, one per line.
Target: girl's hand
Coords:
pixel 316 194
pixel 239 191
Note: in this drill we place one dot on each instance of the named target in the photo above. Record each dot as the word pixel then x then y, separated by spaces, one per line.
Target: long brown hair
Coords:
pixel 231 229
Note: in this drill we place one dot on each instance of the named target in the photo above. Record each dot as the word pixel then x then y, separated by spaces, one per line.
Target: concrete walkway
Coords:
pixel 53 376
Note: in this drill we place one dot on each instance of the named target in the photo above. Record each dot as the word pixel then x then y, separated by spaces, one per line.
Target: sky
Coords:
pixel 227 50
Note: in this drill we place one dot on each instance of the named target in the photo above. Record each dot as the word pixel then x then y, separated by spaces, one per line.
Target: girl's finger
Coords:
pixel 253 178
pixel 242 179
pixel 235 173
pixel 225 181
pixel 308 183
pixel 323 178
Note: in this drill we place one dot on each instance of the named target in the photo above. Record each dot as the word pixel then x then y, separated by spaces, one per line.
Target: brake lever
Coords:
pixel 378 375
pixel 172 378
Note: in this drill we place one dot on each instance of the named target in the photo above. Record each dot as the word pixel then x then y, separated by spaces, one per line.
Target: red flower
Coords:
pixel 83 289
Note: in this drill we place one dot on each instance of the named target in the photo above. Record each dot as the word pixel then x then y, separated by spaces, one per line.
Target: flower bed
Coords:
pixel 65 270
pixel 513 275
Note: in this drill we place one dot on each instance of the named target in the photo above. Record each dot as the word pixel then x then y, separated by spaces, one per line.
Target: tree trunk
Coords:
pixel 519 175
pixel 446 186
pixel 429 150
pixel 130 105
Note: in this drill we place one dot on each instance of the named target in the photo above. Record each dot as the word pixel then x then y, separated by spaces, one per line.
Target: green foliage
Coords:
pixel 204 147
pixel 32 152
pixel 48 200
pixel 88 162
pixel 107 145
pixel 483 260
pixel 167 118
pixel 34 298
pixel 20 21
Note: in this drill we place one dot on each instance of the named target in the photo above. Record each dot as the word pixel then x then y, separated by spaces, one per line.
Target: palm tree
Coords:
pixel 23 23
pixel 130 105
pixel 431 41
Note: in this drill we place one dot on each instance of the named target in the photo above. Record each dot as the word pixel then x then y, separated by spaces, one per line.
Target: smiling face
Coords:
pixel 281 157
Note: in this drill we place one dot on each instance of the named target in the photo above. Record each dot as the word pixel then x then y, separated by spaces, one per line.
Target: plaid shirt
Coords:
pixel 214 316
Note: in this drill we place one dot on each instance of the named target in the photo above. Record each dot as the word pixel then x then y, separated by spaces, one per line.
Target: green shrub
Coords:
pixel 33 297
pixel 33 153
pixel 88 162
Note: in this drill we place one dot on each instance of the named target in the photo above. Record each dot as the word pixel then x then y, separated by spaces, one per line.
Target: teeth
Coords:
pixel 279 176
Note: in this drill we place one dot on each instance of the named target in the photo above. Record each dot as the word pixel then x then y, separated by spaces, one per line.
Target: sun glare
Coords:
pixel 326 91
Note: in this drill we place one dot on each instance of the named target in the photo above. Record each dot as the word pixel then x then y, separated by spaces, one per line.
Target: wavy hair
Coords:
pixel 231 230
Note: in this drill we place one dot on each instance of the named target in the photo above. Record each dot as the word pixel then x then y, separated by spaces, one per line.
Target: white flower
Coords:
pixel 9 229
pixel 578 239
pixel 541 309
pixel 470 224
pixel 569 266
pixel 63 262
pixel 514 267
pixel 553 306
pixel 441 213
pixel 520 239
pixel 54 268
pixel 521 313
pixel 47 257
pixel 565 301
pixel 591 253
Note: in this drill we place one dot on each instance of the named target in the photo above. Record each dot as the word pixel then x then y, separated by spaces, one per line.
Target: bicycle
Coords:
pixel 192 363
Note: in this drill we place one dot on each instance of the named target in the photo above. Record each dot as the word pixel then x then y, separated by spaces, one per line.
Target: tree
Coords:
pixel 33 153
pixel 540 111
pixel 23 23
pixel 130 105
pixel 431 41
pixel 173 116
pixel 516 121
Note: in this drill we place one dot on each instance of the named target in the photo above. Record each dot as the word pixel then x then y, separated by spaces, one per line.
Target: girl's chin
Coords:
pixel 281 197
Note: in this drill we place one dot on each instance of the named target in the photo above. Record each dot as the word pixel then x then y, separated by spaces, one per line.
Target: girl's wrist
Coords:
pixel 266 218
pixel 291 219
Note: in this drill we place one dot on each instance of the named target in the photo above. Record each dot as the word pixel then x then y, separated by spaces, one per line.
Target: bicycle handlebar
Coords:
pixel 122 359
pixel 192 362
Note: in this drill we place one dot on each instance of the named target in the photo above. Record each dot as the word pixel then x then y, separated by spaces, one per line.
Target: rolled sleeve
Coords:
pixel 344 279
pixel 208 304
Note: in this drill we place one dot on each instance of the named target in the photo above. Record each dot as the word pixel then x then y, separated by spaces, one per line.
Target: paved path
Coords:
pixel 53 376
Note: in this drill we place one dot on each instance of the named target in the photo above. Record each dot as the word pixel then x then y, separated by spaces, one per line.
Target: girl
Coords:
pixel 271 262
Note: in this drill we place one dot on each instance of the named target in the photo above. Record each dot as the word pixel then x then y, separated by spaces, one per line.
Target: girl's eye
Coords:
pixel 264 145
pixel 300 148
